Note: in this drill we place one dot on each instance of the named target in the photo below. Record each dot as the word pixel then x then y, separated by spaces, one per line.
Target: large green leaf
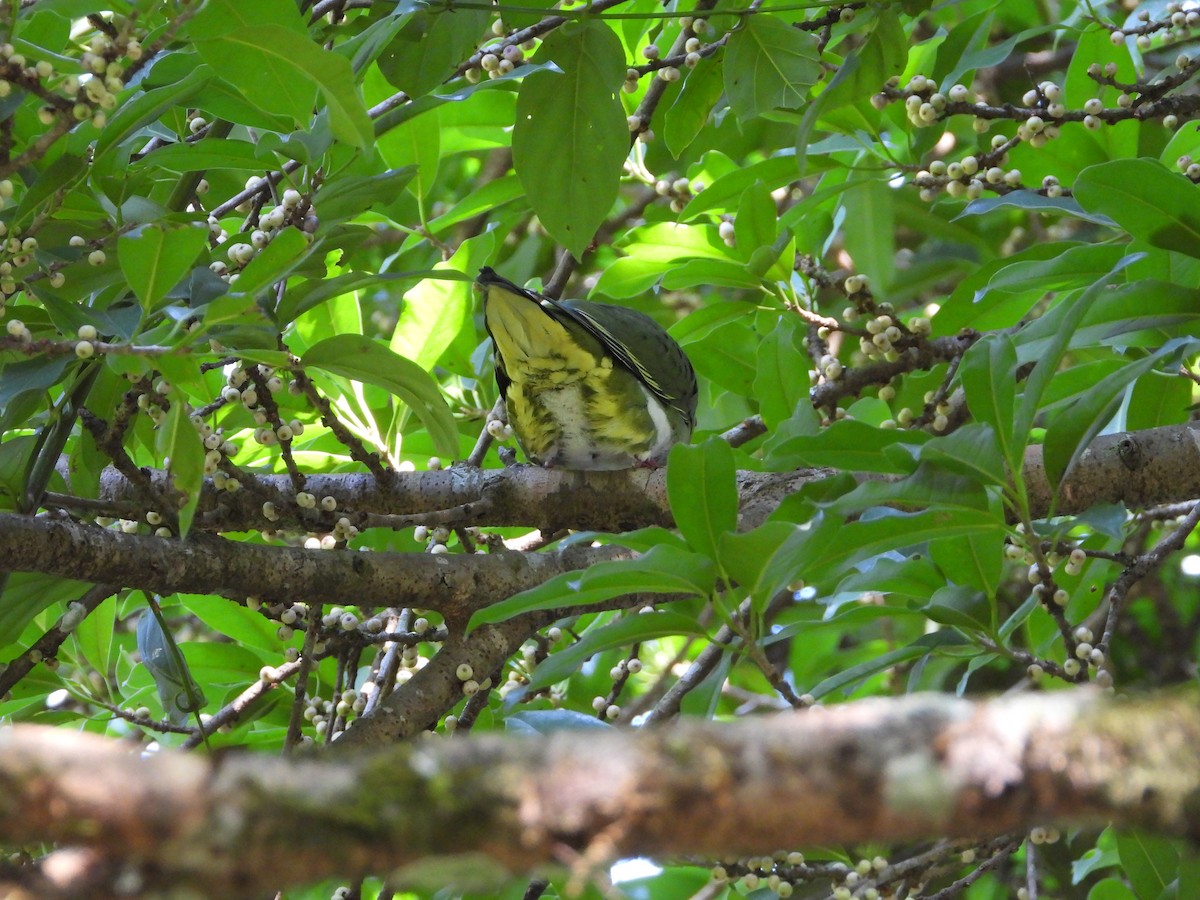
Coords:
pixel 769 65
pixel 1151 862
pixel 265 51
pixel 664 569
pixel 430 46
pixel 703 492
pixel 570 139
pixel 1157 206
pixel 362 359
pixel 179 443
pixel 26 594
pixel 921 647
pixel 989 380
pixel 155 258
pixel 437 310
pixel 1072 430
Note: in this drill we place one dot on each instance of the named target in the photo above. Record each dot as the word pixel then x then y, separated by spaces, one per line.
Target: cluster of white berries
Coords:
pixel 437 538
pixel 87 96
pixel 241 252
pixel 1177 23
pixel 1189 167
pixel 216 447
pixel 923 102
pixel 321 713
pixel 499 59
pixel 17 252
pixel 1040 835
pixel 499 431
pixel 240 388
pixel 1085 651
pixel 679 190
pixel 773 874
pixel 470 685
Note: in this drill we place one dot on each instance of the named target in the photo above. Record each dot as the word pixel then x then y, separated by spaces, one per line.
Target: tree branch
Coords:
pixel 876 770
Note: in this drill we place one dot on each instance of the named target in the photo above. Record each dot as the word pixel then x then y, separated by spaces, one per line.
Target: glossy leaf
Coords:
pixel 769 65
pixel 1141 196
pixel 663 569
pixel 154 259
pixel 570 138
pixel 362 359
pixel 179 445
pixel 702 493
pixel 1071 431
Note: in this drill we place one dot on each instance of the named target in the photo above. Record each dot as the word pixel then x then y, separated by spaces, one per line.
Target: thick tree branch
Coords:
pixel 877 770
pixel 454 586
pixel 1138 469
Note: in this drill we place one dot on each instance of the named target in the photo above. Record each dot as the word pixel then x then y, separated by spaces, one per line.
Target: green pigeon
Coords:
pixel 587 385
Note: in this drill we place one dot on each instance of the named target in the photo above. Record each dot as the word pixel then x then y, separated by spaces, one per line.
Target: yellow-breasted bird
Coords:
pixel 587 385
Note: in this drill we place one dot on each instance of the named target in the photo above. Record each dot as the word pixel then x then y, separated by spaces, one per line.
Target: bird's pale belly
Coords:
pixel 571 426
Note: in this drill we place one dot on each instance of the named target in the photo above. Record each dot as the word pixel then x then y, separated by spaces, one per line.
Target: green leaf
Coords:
pixel 1061 324
pixel 1072 430
pixel 210 153
pixel 664 569
pixel 724 194
pixel 776 386
pixel 1150 862
pixel 921 647
pixel 769 65
pixel 1028 201
pixel 94 636
pixel 341 198
pixel 850 543
pixel 959 606
pixel 149 107
pixel 746 556
pixel 1158 399
pixel 1112 889
pixel 570 139
pixel 234 621
pixel 1102 856
pixel 26 594
pixel 989 380
pixel 702 490
pixel 362 359
pixel 154 259
pixel 975 560
pixel 179 442
pixel 726 356
pixel 275 65
pixel 850 445
pixel 1160 207
pixel 755 223
pixel 417 143
pixel 871 241
pixel 1001 293
pixel 432 44
pixel 436 311
pixel 972 451
pixel 629 629
pixel 693 104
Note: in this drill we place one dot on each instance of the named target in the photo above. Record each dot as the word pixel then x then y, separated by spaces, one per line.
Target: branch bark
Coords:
pixel 876 770
pixel 1138 469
